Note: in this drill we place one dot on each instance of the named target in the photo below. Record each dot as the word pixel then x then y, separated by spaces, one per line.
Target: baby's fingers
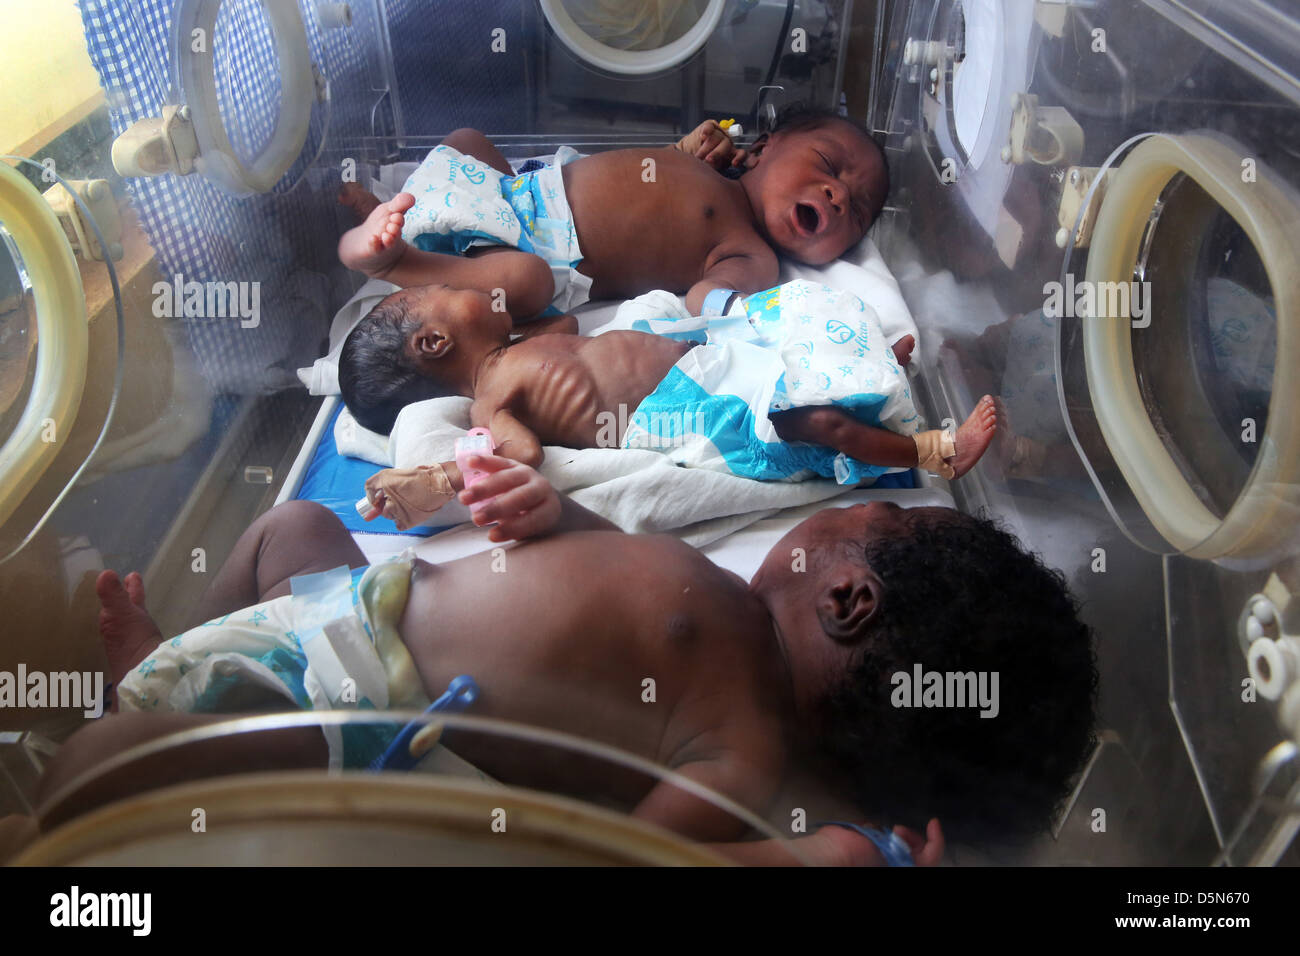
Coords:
pixel 496 483
pixel 511 503
pixel 926 850
pixel 393 514
pixel 708 144
pixel 491 463
pixel 536 521
pixel 720 156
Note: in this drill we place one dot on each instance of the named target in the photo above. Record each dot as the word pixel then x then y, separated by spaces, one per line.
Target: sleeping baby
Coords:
pixel 619 223
pixel 794 382
pixel 798 668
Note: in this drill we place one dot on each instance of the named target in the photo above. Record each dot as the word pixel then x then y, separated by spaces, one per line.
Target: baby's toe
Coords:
pixel 112 595
pixel 135 588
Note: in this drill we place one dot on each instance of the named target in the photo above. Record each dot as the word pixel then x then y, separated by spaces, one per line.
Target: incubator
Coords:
pixel 1094 217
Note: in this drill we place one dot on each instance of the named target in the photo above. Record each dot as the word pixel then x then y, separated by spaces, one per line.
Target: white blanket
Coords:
pixel 640 491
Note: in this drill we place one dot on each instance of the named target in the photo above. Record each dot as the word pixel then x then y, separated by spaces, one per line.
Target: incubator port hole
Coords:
pixel 1205 363
pixel 635 24
pixel 249 109
pixel 18 338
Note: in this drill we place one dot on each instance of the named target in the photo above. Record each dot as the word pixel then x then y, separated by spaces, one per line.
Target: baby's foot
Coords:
pixel 359 199
pixel 903 349
pixel 375 246
pixel 974 435
pixel 129 633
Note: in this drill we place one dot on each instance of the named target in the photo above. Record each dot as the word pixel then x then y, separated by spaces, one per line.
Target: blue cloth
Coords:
pixel 890 844
pixel 798 345
pixel 338 481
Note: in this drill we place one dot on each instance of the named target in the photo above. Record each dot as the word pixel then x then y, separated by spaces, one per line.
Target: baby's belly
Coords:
pixel 653 358
pixel 546 646
pixel 636 236
pixel 559 634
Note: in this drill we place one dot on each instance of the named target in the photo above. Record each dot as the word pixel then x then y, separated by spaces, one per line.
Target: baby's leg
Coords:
pixel 286 749
pixel 473 143
pixel 298 537
pixel 376 247
pixel 826 425
pixel 360 200
pixel 468 141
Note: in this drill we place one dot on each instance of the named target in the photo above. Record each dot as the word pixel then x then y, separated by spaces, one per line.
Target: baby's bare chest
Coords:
pixel 657 211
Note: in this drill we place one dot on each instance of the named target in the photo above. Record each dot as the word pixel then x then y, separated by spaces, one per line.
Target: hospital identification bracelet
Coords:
pixel 716 302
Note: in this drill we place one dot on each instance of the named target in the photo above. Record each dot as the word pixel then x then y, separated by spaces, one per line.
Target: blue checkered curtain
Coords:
pixel 284 239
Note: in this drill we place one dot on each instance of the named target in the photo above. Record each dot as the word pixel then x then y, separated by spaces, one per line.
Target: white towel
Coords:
pixel 640 491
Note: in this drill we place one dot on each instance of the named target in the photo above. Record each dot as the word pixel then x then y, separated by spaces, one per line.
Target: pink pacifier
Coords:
pixel 478 441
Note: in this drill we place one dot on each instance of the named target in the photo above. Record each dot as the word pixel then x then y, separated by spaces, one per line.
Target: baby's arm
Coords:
pixel 672 806
pixel 524 504
pixel 513 438
pixel 523 280
pixel 747 268
pixel 409 496
pixel 566 324
pixel 710 142
pixel 834 846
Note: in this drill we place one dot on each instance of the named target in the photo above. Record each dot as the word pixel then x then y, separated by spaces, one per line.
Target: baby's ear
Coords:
pixel 429 343
pixel 849 602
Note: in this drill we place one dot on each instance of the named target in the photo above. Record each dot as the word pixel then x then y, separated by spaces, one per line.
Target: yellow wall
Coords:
pixel 46 80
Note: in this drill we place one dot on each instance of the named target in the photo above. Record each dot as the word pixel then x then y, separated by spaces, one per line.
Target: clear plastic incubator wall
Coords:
pixel 1093 216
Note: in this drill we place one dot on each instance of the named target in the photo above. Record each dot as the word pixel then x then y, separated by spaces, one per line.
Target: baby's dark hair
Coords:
pixel 797 116
pixel 377 375
pixel 962 595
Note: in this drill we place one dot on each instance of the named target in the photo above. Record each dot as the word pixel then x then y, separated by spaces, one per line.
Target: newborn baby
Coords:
pixel 797 668
pixel 758 401
pixel 619 223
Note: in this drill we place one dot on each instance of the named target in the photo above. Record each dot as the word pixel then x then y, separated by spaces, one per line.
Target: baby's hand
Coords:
pixel 710 142
pixel 524 505
pixel 839 846
pixel 408 496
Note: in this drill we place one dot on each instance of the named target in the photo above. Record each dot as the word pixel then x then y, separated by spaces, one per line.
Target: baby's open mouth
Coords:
pixel 808 217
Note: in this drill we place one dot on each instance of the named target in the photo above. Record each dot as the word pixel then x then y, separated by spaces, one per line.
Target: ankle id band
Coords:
pixel 932 448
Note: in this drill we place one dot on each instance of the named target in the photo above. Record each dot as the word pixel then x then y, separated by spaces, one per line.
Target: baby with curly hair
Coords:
pixel 795 668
